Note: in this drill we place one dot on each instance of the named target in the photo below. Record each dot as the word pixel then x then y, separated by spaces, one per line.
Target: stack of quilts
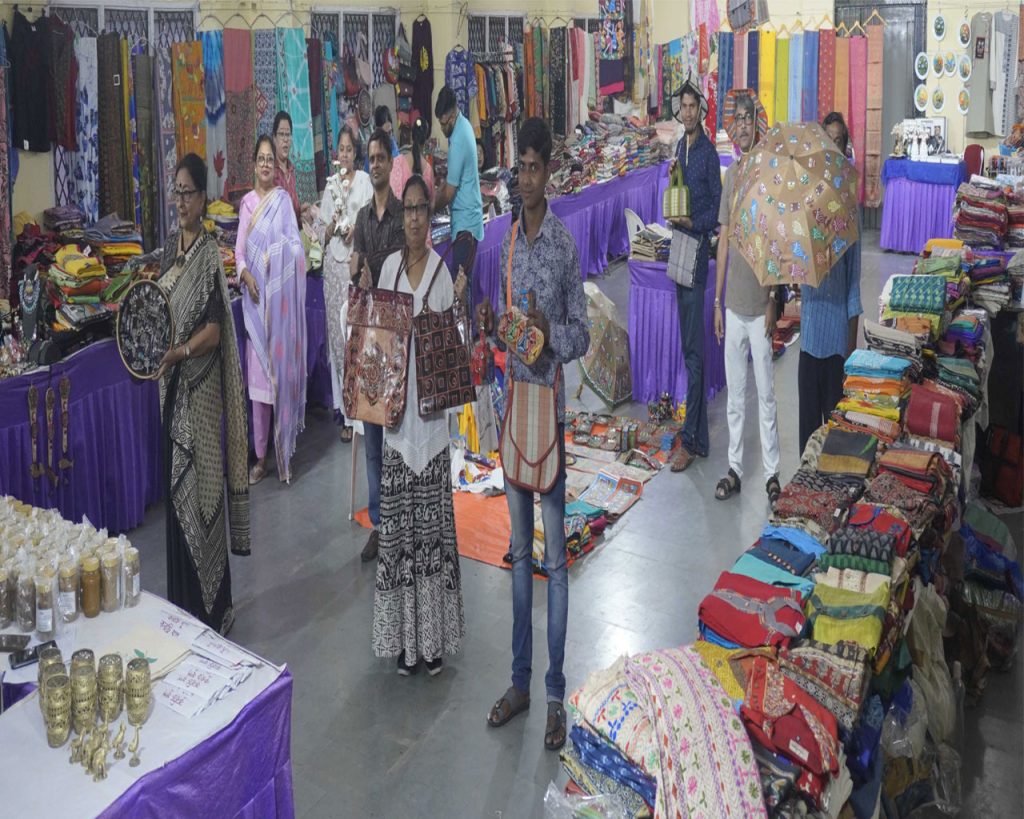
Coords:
pixel 980 216
pixel 1015 220
pixel 67 221
pixel 875 384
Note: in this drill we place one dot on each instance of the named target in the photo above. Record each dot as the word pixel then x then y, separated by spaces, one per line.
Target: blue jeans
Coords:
pixel 373 439
pixel 520 507
pixel 691 332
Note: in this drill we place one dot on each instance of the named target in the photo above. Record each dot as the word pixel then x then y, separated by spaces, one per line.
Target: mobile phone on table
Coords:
pixel 13 642
pixel 27 656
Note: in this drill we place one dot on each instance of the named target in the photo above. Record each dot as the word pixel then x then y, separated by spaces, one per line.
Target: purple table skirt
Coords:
pixel 595 217
pixel 244 770
pixel 655 349
pixel 914 212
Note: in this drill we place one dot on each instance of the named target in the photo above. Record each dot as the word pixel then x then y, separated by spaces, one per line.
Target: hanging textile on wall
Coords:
pixel 5 175
pixel 240 112
pixel 873 120
pixel 781 80
pixel 423 68
pixel 659 80
pixel 557 80
pixel 85 162
pixel 189 99
pixel 293 95
pixel 753 59
pixel 1004 101
pixel 131 141
pixel 809 80
pixel 826 72
pixel 264 69
pixel 167 151
pixel 859 106
pixel 711 82
pixel 841 93
pixel 641 57
pixel 116 194
pixel 739 62
pixel 29 56
pixel 766 78
pixel 1020 64
pixel 63 81
pixel 332 76
pixel 980 116
pixel 216 130
pixel 314 62
pixel 796 76
pixel 691 57
pixel 529 69
pixel 725 44
pixel 460 76
pixel 144 112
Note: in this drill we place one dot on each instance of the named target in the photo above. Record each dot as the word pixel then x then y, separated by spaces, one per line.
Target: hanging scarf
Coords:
pixel 277 325
pixel 809 80
pixel 557 80
pixel 796 76
pixel 63 81
pixel 710 82
pixel 264 71
pixel 293 87
pixel 131 133
pixel 782 79
pixel 725 47
pixel 85 159
pixel 826 72
pixel 873 121
pixel 167 156
pixel 189 99
pixel 114 170
pixel 5 183
pixel 858 105
pixel 333 89
pixel 753 58
pixel 766 75
pixel 739 62
pixel 216 132
pixel 143 77
pixel 315 67
pixel 841 95
pixel 240 113
pixel 201 401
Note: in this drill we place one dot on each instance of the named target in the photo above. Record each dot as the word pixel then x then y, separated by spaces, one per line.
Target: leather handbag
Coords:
pixel 443 378
pixel 530 455
pixel 377 355
pixel 363 70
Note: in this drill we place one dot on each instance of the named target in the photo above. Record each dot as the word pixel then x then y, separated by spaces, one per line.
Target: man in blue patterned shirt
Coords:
pixel 539 256
pixel 702 174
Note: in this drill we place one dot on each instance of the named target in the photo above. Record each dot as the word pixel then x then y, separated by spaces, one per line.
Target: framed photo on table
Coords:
pixel 935 127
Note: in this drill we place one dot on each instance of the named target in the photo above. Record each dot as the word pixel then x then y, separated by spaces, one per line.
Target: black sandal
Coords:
pixel 728 486
pixel 554 731
pixel 773 489
pixel 511 703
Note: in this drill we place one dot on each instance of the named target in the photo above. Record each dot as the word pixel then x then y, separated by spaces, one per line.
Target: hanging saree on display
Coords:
pixel 873 121
pixel 240 113
pixel 131 132
pixel 144 113
pixel 841 86
pixel 725 45
pixel 189 99
pixel 5 180
pixel 809 78
pixel 766 75
pixel 264 70
pixel 115 180
pixel 753 59
pixel 557 80
pixel 85 161
pixel 739 62
pixel 858 106
pixel 796 76
pixel 315 64
pixel 293 94
pixel 781 80
pixel 63 81
pixel 167 152
pixel 216 133
pixel 826 72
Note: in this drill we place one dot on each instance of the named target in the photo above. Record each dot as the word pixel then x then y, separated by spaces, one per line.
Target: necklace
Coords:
pixel 30 290
pixel 182 251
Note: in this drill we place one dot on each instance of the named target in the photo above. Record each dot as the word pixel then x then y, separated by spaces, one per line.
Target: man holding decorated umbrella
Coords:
pixel 747 321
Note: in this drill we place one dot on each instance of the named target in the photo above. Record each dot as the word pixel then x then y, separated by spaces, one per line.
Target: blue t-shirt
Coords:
pixel 468 205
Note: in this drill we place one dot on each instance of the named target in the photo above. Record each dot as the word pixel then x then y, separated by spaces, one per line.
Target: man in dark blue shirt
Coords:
pixel 701 173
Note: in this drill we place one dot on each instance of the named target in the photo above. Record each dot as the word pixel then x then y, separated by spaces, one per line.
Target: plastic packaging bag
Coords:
pixel 559 805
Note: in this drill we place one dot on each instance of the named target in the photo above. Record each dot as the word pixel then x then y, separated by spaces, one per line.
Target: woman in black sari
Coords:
pixel 201 392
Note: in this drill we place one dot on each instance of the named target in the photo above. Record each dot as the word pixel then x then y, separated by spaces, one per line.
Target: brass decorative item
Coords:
pixel 137 690
pixel 65 393
pixel 76 749
pixel 51 403
pixel 98 767
pixel 83 696
pixel 119 741
pixel 110 684
pixel 58 709
pixel 36 469
pixel 134 748
pixel 51 669
pixel 83 657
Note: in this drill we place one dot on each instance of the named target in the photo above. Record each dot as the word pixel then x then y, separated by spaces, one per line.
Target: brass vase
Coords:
pixel 83 697
pixel 58 709
pixel 110 687
pixel 137 691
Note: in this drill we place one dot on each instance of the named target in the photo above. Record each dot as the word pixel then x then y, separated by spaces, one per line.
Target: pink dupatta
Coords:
pixel 859 105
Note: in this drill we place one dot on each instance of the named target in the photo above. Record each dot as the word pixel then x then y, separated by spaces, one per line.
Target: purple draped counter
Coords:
pixel 113 429
pixel 934 173
pixel 595 217
pixel 655 349
pixel 914 212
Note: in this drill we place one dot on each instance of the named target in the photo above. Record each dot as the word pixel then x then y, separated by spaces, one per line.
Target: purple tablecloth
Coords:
pixel 914 212
pixel 655 350
pixel 934 173
pixel 113 430
pixel 595 217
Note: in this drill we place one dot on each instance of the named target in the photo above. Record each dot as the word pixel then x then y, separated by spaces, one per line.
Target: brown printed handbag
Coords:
pixel 443 379
pixel 530 455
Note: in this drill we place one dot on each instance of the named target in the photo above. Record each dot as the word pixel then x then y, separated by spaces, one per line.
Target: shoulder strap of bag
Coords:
pixel 426 296
pixel 508 272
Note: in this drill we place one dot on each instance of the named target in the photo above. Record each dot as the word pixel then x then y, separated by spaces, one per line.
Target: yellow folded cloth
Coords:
pixel 852 405
pixel 220 208
pixel 72 261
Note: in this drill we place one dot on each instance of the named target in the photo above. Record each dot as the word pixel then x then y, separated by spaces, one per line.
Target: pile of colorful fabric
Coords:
pixel 67 221
pixel 1015 220
pixel 877 385
pixel 980 216
pixel 117 241
pixel 79 278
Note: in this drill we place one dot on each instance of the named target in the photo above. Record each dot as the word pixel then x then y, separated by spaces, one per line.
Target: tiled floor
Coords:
pixel 366 742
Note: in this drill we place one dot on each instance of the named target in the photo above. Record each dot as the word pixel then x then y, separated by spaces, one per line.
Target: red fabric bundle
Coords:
pixel 751 613
pixel 932 414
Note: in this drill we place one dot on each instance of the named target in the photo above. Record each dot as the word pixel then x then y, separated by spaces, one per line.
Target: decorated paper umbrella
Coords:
pixel 729 111
pixel 795 211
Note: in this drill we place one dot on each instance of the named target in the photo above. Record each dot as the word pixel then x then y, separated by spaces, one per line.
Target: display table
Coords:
pixel 655 349
pixel 595 217
pixel 233 759
pixel 918 205
pixel 113 428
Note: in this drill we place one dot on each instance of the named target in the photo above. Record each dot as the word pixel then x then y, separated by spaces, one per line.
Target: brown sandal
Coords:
pixel 682 459
pixel 554 731
pixel 511 703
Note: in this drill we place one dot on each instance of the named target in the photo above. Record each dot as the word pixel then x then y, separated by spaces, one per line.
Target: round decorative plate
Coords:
pixel 950 63
pixel 964 67
pixel 939 26
pixel 145 328
pixel 938 99
pixel 921 97
pixel 921 65
pixel 963 33
pixel 963 101
pixel 938 64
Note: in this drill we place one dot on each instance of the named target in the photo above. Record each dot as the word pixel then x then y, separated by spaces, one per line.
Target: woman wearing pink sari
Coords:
pixel 273 272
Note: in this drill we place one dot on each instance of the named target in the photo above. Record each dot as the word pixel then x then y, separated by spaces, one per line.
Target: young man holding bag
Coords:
pixel 540 260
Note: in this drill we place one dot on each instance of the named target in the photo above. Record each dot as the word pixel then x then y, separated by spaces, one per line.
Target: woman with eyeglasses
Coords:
pixel 417 607
pixel 272 270
pixel 284 170
pixel 201 393
pixel 346 192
